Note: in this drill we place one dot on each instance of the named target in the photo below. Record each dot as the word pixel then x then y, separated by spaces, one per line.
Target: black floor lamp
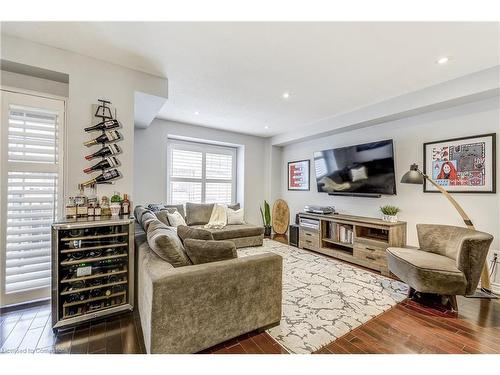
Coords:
pixel 416 176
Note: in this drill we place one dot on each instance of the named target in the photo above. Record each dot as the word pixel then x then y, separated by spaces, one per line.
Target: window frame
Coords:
pixel 204 148
pixel 28 98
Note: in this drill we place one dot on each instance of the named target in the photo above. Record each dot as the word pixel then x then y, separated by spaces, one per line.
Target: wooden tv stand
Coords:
pixel 366 244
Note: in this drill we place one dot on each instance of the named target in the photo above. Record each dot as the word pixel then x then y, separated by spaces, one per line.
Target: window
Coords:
pixel 200 173
pixel 31 175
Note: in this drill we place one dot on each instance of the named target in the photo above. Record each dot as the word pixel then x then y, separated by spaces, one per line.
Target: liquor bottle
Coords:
pixel 97 210
pixel 81 202
pixel 92 200
pixel 107 137
pixel 108 150
pixel 105 210
pixel 106 176
pixel 70 209
pixel 125 205
pixel 104 125
pixel 109 162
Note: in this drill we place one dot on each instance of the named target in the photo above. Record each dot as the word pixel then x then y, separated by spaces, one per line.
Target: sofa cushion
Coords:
pixel 139 211
pixel 198 213
pixel 146 218
pixel 236 231
pixel 166 244
pixel 234 207
pixel 200 251
pixel 184 232
pixel 155 207
pixel 162 215
pixel 425 271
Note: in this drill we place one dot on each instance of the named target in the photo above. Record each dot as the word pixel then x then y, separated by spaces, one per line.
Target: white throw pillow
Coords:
pixel 235 216
pixel 358 174
pixel 175 219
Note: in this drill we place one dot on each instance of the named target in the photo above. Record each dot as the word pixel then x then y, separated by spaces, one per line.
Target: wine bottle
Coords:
pixel 107 137
pixel 109 162
pixel 107 176
pixel 104 125
pixel 75 297
pixel 108 150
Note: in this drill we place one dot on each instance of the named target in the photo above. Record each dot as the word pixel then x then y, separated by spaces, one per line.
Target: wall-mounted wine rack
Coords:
pixel 93 269
pixel 107 126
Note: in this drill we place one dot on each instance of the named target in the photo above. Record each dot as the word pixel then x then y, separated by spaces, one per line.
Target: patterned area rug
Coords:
pixel 323 298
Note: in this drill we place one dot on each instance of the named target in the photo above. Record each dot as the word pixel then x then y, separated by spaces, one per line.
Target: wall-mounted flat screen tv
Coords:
pixel 362 169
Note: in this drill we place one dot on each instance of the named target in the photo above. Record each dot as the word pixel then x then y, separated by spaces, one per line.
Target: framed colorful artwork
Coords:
pixel 462 165
pixel 298 175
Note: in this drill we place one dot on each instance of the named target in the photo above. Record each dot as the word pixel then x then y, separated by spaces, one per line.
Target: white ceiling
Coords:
pixel 234 74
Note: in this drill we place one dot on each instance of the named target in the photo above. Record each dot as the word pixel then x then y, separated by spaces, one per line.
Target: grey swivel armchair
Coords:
pixel 448 262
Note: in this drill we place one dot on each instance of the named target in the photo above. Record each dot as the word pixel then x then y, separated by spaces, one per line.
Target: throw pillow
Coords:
pixel 235 217
pixel 200 251
pixel 166 244
pixel 178 207
pixel 184 232
pixel 156 206
pixel 358 174
pixel 162 215
pixel 175 219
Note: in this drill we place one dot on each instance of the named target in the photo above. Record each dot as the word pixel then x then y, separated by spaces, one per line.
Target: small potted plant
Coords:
pixel 266 219
pixel 390 213
pixel 115 205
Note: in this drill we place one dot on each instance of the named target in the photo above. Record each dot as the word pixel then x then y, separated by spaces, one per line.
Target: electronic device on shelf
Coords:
pixel 309 223
pixel 92 268
pixel 323 210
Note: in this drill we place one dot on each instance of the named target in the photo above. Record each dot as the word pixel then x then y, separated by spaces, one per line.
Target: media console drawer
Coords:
pixel 375 256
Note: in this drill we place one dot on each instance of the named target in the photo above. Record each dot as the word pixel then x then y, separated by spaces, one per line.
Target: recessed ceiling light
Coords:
pixel 266 127
pixel 196 113
pixel 286 95
pixel 443 60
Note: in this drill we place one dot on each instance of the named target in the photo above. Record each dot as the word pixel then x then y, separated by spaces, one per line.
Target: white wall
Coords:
pixel 89 80
pixel 150 162
pixel 409 134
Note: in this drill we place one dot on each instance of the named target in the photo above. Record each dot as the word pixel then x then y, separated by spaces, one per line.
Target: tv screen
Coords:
pixel 362 169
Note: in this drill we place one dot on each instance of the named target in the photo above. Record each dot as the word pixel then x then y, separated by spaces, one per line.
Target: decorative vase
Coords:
pixel 267 231
pixel 390 218
pixel 115 209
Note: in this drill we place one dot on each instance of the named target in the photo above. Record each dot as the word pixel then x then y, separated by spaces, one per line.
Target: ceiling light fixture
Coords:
pixel 286 95
pixel 196 113
pixel 443 60
pixel 266 127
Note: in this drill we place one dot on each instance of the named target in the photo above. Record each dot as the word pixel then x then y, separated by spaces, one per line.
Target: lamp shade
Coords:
pixel 413 176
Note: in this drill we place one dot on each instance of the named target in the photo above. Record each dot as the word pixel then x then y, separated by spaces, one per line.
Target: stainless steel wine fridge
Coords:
pixel 92 269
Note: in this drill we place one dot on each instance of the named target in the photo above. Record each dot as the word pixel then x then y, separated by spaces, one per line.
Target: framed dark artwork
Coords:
pixel 462 165
pixel 299 175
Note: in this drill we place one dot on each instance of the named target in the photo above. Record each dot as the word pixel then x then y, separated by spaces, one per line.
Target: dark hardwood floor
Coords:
pixel 408 327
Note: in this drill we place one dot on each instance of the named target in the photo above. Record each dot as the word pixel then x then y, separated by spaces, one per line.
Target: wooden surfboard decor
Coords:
pixel 281 216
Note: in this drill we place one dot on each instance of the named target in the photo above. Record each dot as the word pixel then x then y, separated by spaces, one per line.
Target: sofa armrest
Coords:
pixel 199 306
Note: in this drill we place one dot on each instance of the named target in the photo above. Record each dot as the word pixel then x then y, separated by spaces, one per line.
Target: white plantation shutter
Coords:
pixel 201 173
pixel 31 144
pixel 31 209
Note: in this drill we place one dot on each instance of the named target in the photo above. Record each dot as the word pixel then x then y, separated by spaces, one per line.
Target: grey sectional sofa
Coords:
pixel 198 214
pixel 191 308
